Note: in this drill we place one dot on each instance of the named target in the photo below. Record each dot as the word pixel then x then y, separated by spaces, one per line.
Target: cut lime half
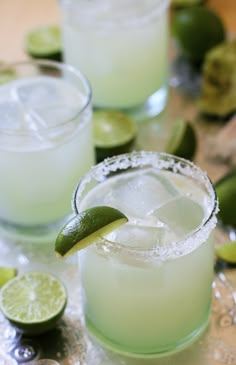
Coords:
pixel 86 228
pixel 6 274
pixel 226 192
pixel 114 133
pixel 182 141
pixel 44 42
pixel 227 252
pixel 33 302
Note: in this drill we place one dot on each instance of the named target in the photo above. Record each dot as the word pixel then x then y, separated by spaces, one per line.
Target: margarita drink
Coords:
pixel 147 286
pixel 121 46
pixel 45 144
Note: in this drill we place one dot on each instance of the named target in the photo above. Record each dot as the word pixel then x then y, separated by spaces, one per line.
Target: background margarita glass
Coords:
pixel 121 46
pixel 45 144
pixel 147 287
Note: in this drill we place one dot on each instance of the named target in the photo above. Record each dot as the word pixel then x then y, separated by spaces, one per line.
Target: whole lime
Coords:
pixel 197 30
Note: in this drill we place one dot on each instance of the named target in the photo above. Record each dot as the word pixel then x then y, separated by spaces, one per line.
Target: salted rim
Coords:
pixel 159 160
pixel 52 65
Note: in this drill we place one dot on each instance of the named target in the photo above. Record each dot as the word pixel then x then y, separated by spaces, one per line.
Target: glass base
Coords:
pixel 152 107
pixel 172 349
pixel 33 233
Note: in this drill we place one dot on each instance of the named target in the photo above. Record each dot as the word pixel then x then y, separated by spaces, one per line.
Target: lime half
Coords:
pixel 6 274
pixel 33 302
pixel 114 133
pixel 183 140
pixel 86 228
pixel 227 252
pixel 44 42
pixel 226 192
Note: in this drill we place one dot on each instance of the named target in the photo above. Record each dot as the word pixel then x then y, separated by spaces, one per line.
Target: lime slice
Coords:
pixel 183 140
pixel 226 192
pixel 197 29
pixel 114 133
pixel 33 302
pixel 86 228
pixel 6 274
pixel 44 42
pixel 227 252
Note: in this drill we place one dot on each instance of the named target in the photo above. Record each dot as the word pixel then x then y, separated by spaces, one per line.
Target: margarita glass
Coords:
pixel 147 287
pixel 45 144
pixel 121 46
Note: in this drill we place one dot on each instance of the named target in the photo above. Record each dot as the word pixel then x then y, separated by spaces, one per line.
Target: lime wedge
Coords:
pixel 6 274
pixel 114 133
pixel 86 228
pixel 227 252
pixel 33 302
pixel 226 192
pixel 44 42
pixel 183 140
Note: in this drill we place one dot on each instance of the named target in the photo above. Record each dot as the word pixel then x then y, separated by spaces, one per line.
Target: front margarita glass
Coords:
pixel 147 287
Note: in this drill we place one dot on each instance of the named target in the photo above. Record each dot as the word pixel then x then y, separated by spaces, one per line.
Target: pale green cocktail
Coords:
pixel 121 46
pixel 45 144
pixel 147 286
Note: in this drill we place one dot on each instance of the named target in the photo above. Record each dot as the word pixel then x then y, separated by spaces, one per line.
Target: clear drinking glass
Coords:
pixel 147 287
pixel 45 144
pixel 121 46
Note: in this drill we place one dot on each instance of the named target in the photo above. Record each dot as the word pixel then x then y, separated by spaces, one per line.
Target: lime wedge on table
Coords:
pixel 6 274
pixel 44 42
pixel 114 133
pixel 227 252
pixel 226 192
pixel 86 228
pixel 182 141
pixel 33 302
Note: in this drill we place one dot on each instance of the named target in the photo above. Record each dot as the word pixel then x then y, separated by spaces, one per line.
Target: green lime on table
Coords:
pixel 114 133
pixel 44 42
pixel 6 274
pixel 87 228
pixel 227 252
pixel 198 29
pixel 33 302
pixel 182 141
pixel 226 192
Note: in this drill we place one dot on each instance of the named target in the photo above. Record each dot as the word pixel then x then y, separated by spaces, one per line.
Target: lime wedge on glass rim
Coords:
pixel 182 141
pixel 114 133
pixel 227 252
pixel 6 274
pixel 87 228
pixel 44 42
pixel 33 302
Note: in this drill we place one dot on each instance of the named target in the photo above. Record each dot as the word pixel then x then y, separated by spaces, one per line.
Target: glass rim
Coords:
pixel 189 242
pixel 51 64
pixel 156 9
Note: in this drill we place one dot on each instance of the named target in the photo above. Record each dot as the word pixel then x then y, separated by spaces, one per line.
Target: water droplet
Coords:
pixel 25 351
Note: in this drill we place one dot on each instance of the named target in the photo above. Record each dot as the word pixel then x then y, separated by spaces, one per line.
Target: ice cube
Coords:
pixel 11 115
pixel 138 236
pixel 181 214
pixel 49 100
pixel 138 196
